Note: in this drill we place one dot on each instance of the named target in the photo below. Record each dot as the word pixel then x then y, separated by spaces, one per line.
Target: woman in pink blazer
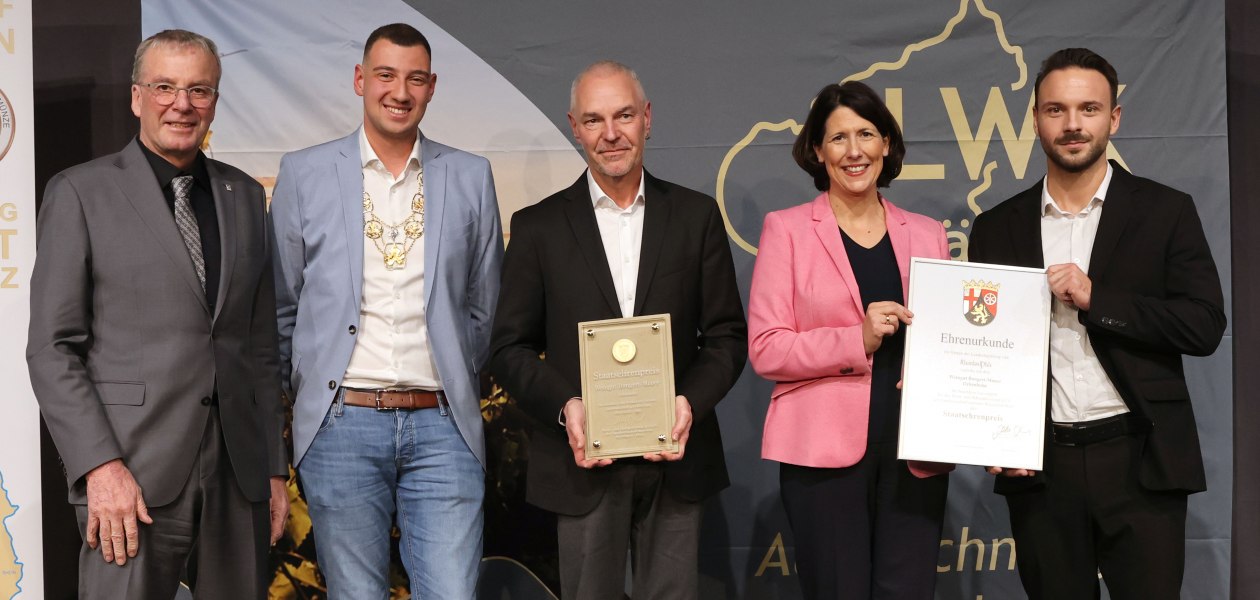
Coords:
pixel 826 322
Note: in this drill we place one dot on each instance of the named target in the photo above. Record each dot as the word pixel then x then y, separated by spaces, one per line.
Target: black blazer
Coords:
pixel 555 275
pixel 1156 296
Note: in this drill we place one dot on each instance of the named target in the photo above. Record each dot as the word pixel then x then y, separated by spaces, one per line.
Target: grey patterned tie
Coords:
pixel 187 223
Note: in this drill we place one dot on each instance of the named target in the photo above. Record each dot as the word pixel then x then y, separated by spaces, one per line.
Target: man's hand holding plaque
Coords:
pixel 575 427
pixel 682 430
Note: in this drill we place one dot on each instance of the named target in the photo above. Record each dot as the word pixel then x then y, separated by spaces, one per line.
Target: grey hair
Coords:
pixel 607 66
pixel 179 38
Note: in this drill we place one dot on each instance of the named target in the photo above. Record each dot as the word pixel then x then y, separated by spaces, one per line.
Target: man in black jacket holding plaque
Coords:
pixel 619 243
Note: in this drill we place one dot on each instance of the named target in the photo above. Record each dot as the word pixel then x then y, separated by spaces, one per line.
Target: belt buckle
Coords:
pixel 377 394
pixel 1066 428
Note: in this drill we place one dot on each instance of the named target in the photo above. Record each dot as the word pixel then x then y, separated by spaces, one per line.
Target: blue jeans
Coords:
pixel 366 466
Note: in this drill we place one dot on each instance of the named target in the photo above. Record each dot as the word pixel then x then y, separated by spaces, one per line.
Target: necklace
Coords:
pixel 395 240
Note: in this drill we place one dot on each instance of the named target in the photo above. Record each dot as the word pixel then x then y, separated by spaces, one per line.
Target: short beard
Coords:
pixel 1078 163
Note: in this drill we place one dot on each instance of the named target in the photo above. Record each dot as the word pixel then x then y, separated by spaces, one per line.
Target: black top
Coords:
pixel 879 280
pixel 202 199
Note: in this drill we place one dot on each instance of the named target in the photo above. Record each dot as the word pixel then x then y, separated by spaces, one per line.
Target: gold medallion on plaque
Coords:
pixel 624 350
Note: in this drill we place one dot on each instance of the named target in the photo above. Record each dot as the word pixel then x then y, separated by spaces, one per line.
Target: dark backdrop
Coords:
pixel 1242 18
pixel 83 52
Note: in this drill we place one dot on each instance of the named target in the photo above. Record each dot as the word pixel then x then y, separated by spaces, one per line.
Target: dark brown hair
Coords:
pixel 400 34
pixel 861 99
pixel 1081 58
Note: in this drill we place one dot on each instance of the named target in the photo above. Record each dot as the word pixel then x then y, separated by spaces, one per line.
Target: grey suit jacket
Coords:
pixel 124 353
pixel 317 214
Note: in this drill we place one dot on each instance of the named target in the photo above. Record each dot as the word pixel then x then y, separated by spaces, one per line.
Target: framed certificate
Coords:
pixel 974 380
pixel 628 386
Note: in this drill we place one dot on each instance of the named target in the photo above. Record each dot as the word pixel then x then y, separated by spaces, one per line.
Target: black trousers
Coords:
pixel 869 531
pixel 1094 516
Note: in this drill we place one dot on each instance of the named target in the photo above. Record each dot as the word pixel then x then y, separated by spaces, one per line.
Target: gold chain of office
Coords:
pixel 394 241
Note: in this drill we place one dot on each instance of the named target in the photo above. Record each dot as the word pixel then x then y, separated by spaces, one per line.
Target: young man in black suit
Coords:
pixel 619 243
pixel 1135 288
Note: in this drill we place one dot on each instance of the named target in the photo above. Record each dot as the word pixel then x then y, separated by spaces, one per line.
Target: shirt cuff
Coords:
pixel 560 419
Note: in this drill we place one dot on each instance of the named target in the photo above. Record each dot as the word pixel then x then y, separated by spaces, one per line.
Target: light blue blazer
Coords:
pixel 317 229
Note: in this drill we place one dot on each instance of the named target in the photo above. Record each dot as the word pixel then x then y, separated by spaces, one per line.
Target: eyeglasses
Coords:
pixel 200 96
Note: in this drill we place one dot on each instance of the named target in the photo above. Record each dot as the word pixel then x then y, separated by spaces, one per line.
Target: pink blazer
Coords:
pixel 805 332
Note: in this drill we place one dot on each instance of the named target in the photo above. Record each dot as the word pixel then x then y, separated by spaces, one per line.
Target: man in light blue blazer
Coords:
pixel 388 248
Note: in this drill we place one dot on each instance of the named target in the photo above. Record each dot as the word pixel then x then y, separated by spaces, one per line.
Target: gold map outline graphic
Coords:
pixel 986 181
pixel 11 571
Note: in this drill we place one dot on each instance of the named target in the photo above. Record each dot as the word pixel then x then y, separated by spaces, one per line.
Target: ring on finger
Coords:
pixel 888 319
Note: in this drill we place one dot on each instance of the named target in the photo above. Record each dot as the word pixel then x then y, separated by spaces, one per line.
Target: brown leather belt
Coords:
pixel 390 399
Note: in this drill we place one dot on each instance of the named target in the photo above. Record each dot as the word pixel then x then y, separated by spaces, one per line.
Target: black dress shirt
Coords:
pixel 202 199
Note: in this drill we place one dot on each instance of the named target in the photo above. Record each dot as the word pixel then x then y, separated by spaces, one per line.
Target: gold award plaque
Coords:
pixel 627 386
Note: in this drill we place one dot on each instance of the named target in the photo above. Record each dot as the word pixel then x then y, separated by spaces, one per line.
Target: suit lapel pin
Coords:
pixel 227 186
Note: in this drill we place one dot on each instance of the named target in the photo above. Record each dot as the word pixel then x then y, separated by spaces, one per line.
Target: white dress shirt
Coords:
pixel 622 233
pixel 391 348
pixel 1079 389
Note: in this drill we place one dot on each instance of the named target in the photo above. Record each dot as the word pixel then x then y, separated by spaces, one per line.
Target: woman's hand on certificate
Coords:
pixel 882 318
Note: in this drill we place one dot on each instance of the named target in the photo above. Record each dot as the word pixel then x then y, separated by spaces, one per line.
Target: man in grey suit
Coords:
pixel 388 251
pixel 152 350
